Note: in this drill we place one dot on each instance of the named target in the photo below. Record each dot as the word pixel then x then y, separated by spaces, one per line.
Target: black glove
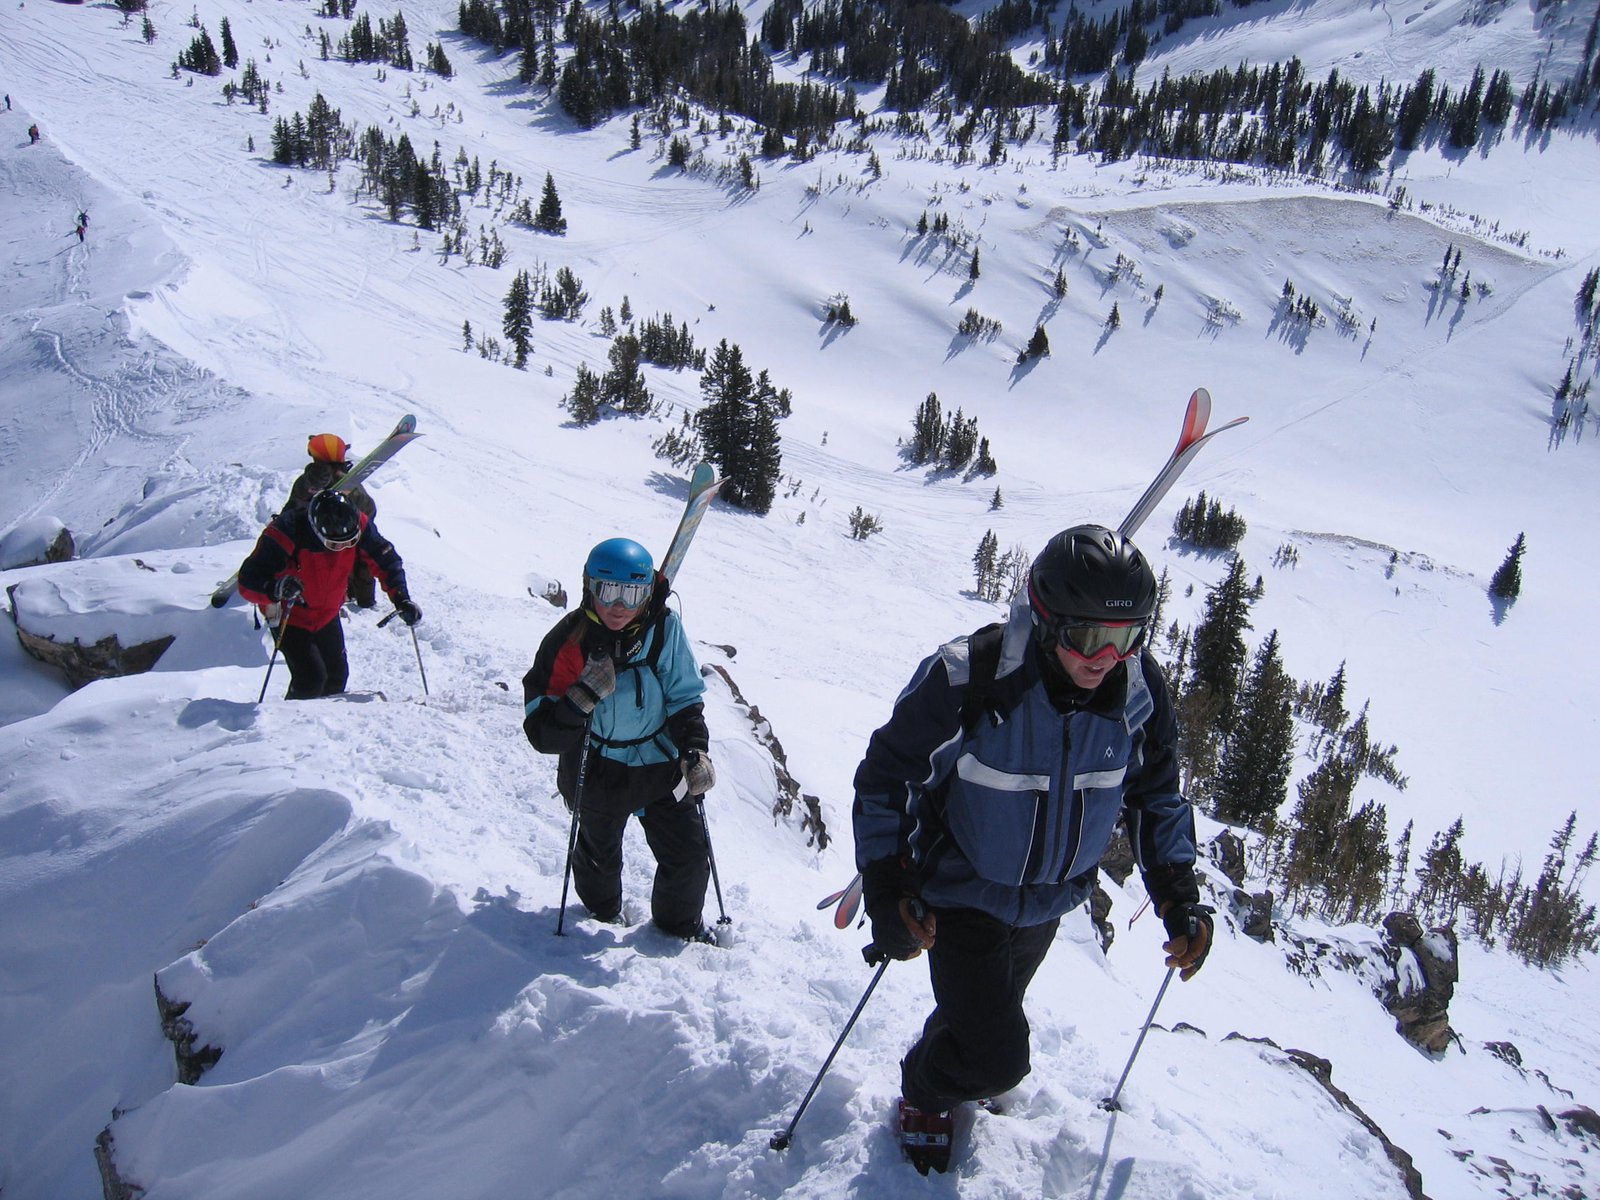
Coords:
pixel 1190 929
pixel 697 772
pixel 288 589
pixel 409 612
pixel 892 903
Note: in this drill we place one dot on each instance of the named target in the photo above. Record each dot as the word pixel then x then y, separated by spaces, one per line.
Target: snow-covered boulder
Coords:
pixel 97 618
pixel 34 541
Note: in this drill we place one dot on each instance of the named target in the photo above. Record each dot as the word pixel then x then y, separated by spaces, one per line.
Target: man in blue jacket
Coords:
pixel 984 805
pixel 616 678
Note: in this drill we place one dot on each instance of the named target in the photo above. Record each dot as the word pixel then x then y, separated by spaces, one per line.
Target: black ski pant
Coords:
pixel 316 660
pixel 677 838
pixel 975 1042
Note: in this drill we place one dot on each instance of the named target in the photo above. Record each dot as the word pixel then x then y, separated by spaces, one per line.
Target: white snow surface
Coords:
pixel 357 898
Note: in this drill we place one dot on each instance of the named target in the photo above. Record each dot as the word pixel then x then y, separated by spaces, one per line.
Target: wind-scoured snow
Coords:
pixel 357 898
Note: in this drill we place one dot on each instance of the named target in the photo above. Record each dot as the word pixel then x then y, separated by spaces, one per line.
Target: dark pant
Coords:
pixel 363 588
pixel 316 661
pixel 975 1042
pixel 683 863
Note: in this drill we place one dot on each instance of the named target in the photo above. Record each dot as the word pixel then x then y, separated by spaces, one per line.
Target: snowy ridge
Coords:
pixel 356 898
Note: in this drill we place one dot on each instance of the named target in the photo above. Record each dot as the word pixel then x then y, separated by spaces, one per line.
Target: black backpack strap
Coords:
pixel 983 658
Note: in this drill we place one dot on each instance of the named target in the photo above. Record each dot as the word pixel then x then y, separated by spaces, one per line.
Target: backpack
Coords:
pixel 981 698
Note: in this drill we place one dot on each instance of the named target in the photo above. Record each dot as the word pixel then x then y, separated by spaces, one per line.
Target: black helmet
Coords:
pixel 1089 574
pixel 334 519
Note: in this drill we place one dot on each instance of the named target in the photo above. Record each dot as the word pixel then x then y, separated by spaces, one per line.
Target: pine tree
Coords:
pixel 928 431
pixel 1440 874
pixel 985 567
pixel 584 402
pixel 984 463
pixel 973 270
pixel 1591 281
pixel 517 323
pixel 230 52
pixel 201 57
pixel 996 501
pixel 763 460
pixel 1330 713
pixel 1114 320
pixel 1253 775
pixel 623 386
pixel 725 421
pixel 1219 647
pixel 549 219
pixel 960 442
pixel 1038 345
pixel 1507 581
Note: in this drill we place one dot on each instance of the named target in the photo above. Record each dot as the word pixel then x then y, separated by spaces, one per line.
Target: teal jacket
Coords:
pixel 638 734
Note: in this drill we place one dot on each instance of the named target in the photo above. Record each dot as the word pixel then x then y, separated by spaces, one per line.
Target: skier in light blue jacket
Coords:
pixel 616 679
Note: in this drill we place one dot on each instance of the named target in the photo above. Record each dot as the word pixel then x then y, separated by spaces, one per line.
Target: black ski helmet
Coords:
pixel 334 519
pixel 1089 573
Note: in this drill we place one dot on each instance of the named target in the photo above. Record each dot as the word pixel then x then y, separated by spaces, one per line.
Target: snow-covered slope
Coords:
pixel 357 897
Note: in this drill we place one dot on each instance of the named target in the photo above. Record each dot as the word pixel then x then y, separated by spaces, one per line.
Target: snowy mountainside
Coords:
pixel 356 898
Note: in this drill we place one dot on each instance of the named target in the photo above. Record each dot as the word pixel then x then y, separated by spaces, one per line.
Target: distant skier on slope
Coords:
pixel 330 460
pixel 987 813
pixel 298 573
pixel 616 678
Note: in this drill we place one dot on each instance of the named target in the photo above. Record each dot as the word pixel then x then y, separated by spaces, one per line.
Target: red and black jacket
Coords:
pixel 289 546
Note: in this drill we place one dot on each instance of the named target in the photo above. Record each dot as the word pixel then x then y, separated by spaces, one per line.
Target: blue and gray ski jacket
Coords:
pixel 1013 817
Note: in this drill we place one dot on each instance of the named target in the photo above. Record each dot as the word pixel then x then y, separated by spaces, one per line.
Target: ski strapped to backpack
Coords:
pixel 984 645
pixel 703 485
pixel 404 431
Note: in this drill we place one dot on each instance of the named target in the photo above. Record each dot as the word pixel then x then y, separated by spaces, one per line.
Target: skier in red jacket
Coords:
pixel 299 572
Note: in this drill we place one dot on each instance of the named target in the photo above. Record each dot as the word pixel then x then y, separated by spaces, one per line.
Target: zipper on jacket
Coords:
pixel 1063 840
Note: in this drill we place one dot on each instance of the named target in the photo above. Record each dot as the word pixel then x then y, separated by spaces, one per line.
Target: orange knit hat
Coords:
pixel 327 447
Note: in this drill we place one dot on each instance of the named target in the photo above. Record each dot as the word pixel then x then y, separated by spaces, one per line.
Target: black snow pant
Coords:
pixel 677 838
pixel 316 660
pixel 975 1042
pixel 363 588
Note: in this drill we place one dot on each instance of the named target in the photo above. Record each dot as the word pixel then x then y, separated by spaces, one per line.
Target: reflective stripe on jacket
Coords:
pixel 1013 818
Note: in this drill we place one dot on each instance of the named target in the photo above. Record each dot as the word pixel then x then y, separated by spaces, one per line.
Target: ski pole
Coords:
pixel 724 919
pixel 572 833
pixel 1110 1102
pixel 780 1141
pixel 415 645
pixel 277 640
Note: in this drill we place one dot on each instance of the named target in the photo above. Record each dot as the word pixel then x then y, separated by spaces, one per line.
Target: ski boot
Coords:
pixel 925 1138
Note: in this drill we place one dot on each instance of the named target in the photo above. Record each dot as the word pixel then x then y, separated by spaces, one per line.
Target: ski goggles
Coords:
pixel 1087 640
pixel 340 543
pixel 608 592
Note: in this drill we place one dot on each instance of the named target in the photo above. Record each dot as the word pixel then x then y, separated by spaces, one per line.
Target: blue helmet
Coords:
pixel 619 570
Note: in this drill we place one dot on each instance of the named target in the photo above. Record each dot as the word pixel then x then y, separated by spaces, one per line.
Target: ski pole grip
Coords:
pixel 870 951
